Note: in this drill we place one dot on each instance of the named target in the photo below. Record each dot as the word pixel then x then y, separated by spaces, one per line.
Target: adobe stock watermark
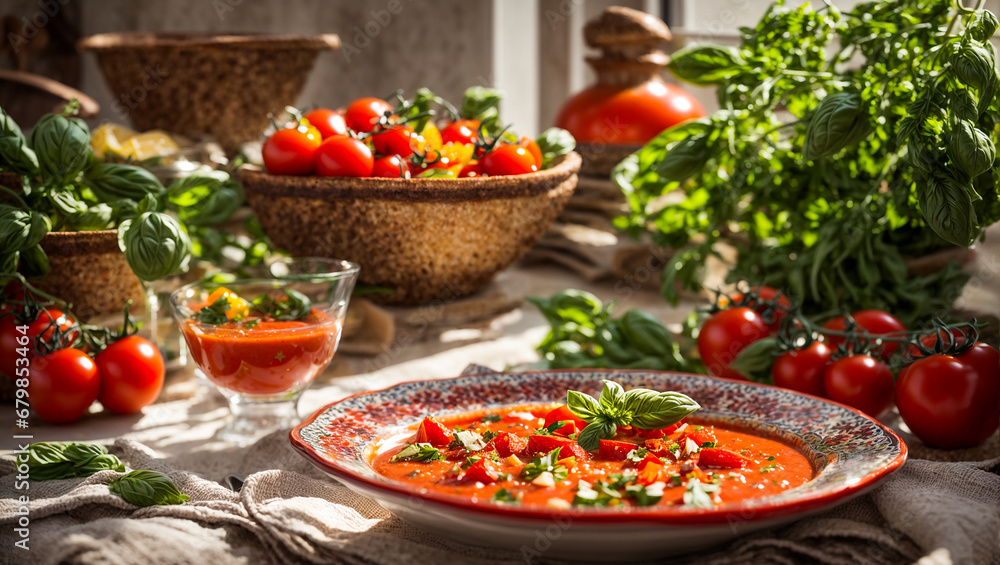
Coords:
pixel 224 7
pixel 128 101
pixel 32 25
pixel 364 35
pixel 562 13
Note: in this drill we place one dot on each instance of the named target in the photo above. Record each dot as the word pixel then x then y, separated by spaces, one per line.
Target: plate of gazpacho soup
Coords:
pixel 658 462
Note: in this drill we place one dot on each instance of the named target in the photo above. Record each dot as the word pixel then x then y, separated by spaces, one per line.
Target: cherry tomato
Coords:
pixel 132 372
pixel 43 325
pixel 724 335
pixel 398 140
pixel 508 160
pixel 861 381
pixel 802 369
pixel 342 156
pixel 769 295
pixel 328 122
pixel 291 151
pixel 952 402
pixel 471 170
pixel 875 322
pixel 610 115
pixel 461 131
pixel 364 113
pixel 393 167
pixel 532 148
pixel 63 385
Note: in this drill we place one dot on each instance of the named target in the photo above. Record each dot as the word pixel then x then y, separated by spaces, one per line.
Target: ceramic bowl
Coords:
pixel 849 451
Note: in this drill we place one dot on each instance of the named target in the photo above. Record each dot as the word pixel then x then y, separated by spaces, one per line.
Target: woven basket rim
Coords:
pixel 257 181
pixel 195 40
pixel 66 243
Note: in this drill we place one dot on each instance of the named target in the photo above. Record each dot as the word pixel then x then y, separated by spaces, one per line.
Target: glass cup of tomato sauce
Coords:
pixel 262 341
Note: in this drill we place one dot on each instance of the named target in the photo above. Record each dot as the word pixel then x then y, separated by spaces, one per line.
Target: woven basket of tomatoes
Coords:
pixel 431 208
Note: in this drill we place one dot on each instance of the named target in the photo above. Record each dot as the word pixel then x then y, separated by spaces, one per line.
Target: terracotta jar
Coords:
pixel 630 103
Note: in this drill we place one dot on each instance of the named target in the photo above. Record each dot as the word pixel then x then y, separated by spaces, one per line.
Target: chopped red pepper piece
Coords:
pixel 650 470
pixel 482 471
pixel 435 433
pixel 507 444
pixel 660 433
pixel 545 444
pixel 562 413
pixel 720 459
pixel 612 450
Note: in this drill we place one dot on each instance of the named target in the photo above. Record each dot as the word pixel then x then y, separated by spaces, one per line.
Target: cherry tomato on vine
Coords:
pixel 508 160
pixel 43 325
pixel 398 140
pixel 62 385
pixel 461 131
pixel 724 335
pixel 393 167
pixel 532 148
pixel 952 402
pixel 291 151
pixel 931 341
pixel 861 381
pixel 471 170
pixel 328 122
pixel 132 372
pixel 364 113
pixel 802 369
pixel 342 156
pixel 769 295
pixel 875 322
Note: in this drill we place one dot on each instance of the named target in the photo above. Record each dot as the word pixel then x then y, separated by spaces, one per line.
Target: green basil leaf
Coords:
pixel 611 399
pixel 15 154
pixel 982 26
pixel 652 410
pixel 553 143
pixel 156 246
pixel 66 201
pixel 975 65
pixel 295 306
pixel 480 103
pixel 62 146
pixel 647 334
pixel 51 461
pixel 96 217
pixel 948 211
pixel 15 228
pixel 113 181
pixel 34 263
pixel 971 149
pixel 147 488
pixel 205 200
pixel 685 158
pixel 755 360
pixel 591 436
pixel 583 406
pixel 706 65
pixel 838 122
pixel 422 452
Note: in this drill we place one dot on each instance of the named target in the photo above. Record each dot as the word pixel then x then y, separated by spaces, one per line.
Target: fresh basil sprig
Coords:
pixel 49 461
pixel 422 452
pixel 147 488
pixel 214 314
pixel 639 407
pixel 296 306
pixel 553 143
pixel 548 463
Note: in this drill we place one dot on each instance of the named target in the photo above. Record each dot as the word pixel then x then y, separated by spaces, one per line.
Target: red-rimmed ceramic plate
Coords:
pixel 849 451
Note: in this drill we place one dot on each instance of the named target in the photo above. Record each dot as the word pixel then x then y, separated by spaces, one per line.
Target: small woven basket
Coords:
pixel 429 239
pixel 201 84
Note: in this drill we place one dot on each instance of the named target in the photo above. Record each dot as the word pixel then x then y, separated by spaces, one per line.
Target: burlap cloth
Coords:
pixel 288 512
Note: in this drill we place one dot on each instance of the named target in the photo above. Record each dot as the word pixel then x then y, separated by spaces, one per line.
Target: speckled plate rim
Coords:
pixel 762 509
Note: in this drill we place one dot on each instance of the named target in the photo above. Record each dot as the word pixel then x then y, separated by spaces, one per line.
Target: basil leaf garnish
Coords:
pixel 147 488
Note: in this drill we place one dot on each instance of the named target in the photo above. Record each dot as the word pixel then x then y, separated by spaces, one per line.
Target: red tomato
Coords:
pixel 610 115
pixel 532 148
pixel 342 156
pixel 766 294
pixel 933 340
pixel 951 402
pixel 471 170
pixel 508 160
pixel 43 326
pixel 364 113
pixel 802 369
pixel 860 381
pixel 291 151
pixel 657 434
pixel 724 335
pixel 435 433
pixel 720 459
pixel 507 444
pixel 461 131
pixel 650 470
pixel 482 471
pixel 545 444
pixel 562 413
pixel 398 140
pixel 327 121
pixel 876 322
pixel 63 385
pixel 393 167
pixel 132 372
pixel 612 450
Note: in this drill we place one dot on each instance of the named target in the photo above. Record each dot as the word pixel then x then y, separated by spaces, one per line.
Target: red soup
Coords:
pixel 268 358
pixel 509 456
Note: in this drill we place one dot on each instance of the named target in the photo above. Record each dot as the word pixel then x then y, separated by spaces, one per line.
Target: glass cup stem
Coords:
pixel 252 420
